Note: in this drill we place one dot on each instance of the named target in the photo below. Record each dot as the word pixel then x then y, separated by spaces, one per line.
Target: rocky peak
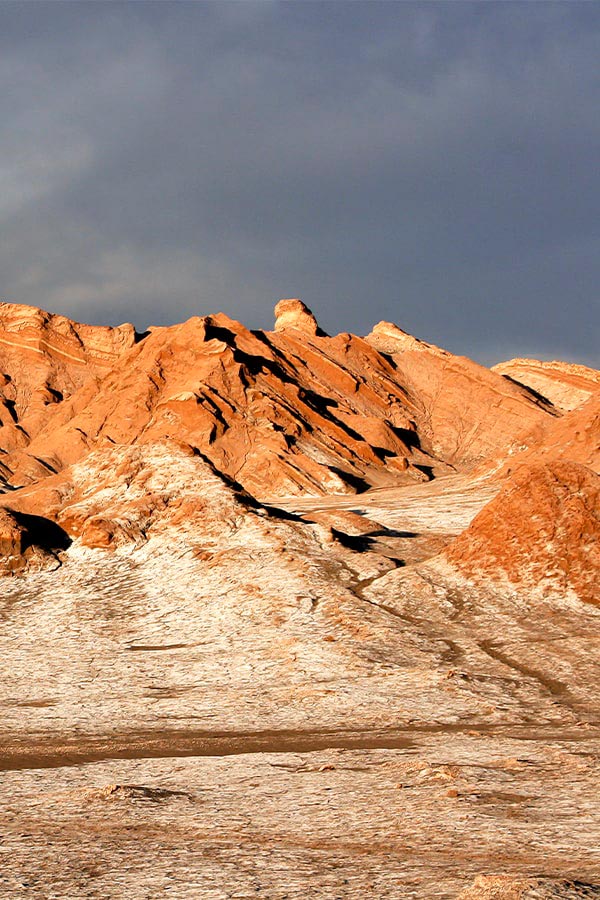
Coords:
pixel 281 412
pixel 294 313
pixel 389 338
pixel 27 329
pixel 45 359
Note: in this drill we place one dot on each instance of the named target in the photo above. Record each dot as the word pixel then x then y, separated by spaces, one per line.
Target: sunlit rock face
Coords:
pixel 466 413
pixel 291 411
pixel 295 314
pixel 541 534
pixel 565 385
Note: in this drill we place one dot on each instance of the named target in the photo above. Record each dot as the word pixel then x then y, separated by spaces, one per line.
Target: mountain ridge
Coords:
pixel 303 410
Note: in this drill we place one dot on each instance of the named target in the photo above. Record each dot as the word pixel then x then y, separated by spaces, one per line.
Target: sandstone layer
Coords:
pixel 565 385
pixel 44 360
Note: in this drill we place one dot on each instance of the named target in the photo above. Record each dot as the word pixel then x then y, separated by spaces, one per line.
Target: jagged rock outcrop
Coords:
pixel 283 412
pixel 123 497
pixel 28 542
pixel 539 536
pixel 295 314
pixel 126 495
pixel 565 385
pixel 280 413
pixel 31 332
pixel 44 360
pixel 12 541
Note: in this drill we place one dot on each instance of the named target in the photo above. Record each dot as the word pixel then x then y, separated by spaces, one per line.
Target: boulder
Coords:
pixel 295 314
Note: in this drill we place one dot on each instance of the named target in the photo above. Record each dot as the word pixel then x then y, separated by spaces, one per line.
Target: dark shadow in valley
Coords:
pixel 41 532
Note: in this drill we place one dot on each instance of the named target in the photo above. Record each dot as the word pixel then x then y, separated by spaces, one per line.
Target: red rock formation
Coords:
pixel 11 541
pixel 281 412
pixel 295 314
pixel 565 385
pixel 44 359
pixel 463 412
pixel 575 436
pixel 539 536
pixel 28 542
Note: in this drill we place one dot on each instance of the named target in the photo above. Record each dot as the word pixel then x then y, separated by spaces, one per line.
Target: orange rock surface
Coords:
pixel 575 436
pixel 540 534
pixel 28 542
pixel 283 412
pixel 565 385
pixel 44 360
pixel 464 412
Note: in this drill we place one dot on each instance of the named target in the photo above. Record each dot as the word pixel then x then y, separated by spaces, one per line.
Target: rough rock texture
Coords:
pixel 363 693
pixel 231 703
pixel 565 385
pixel 11 542
pixel 416 822
pixel 27 332
pixel 541 534
pixel 464 412
pixel 28 542
pixel 262 416
pixel 286 412
pixel 271 414
pixel 295 314
pixel 575 436
pixel 507 887
pixel 45 359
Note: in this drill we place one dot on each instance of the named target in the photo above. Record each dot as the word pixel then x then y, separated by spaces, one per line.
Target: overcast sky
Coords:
pixel 436 165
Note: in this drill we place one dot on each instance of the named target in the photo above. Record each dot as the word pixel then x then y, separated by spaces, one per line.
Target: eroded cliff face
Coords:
pixel 44 360
pixel 284 412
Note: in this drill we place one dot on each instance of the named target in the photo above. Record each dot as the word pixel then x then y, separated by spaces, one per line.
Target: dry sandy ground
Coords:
pixel 165 735
pixel 421 821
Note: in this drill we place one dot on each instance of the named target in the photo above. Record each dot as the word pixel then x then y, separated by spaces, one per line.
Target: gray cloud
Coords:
pixel 432 164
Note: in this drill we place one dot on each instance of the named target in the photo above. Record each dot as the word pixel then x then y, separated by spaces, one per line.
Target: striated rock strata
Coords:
pixel 565 385
pixel 284 412
pixel 44 360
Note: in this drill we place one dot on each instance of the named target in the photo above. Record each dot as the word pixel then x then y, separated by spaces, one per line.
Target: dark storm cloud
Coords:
pixel 432 164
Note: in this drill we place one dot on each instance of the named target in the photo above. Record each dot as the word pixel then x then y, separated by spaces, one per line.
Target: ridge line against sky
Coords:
pixel 431 164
